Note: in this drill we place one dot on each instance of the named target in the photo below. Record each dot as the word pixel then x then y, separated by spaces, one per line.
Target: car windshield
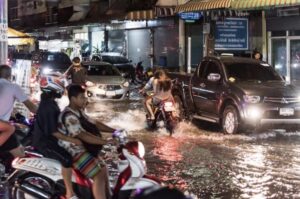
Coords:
pixel 102 70
pixel 251 72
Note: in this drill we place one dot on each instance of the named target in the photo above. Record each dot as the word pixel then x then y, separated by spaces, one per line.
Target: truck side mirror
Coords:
pixel 214 77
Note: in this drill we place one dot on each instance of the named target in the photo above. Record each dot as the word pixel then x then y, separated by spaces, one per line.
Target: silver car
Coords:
pixel 105 81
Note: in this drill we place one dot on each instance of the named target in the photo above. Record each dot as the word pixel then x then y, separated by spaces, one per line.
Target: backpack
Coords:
pixel 93 149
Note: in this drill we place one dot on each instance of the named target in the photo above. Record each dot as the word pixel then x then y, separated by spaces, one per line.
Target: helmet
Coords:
pixel 52 83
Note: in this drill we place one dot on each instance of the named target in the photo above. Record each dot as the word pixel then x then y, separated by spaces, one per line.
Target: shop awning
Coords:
pixel 18 38
pixel 164 11
pixel 258 4
pixel 200 5
pixel 140 15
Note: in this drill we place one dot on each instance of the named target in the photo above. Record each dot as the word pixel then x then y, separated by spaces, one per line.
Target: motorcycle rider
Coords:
pixel 83 160
pixel 161 90
pixel 9 92
pixel 45 133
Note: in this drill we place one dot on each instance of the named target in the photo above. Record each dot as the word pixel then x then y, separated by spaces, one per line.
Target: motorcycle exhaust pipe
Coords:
pixel 34 191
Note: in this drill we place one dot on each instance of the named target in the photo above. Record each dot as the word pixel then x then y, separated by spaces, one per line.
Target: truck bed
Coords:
pixel 180 76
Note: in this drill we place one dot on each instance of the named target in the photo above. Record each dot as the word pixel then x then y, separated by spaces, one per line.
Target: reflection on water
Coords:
pixel 211 164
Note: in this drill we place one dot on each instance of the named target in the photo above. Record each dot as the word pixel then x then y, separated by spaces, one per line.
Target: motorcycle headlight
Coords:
pixel 252 99
pixel 126 84
pixel 47 70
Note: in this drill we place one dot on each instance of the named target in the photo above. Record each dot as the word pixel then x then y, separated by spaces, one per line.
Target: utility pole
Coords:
pixel 3 31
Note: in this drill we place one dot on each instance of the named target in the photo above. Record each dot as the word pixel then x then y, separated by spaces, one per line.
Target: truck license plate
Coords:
pixel 286 111
pixel 110 93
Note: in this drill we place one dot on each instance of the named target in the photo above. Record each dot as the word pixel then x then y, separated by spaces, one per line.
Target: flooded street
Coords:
pixel 201 160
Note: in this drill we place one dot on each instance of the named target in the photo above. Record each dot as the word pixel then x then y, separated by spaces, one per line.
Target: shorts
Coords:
pixel 10 144
pixel 86 164
pixel 52 150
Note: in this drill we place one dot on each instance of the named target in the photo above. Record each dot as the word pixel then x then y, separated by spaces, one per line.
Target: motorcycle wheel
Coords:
pixel 34 180
pixel 179 107
pixel 171 124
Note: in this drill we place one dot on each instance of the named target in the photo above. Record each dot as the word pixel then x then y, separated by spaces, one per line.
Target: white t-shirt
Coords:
pixel 9 92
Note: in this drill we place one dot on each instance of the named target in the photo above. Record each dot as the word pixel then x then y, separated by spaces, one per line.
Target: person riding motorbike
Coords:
pixel 45 133
pixel 9 92
pixel 161 85
pixel 83 160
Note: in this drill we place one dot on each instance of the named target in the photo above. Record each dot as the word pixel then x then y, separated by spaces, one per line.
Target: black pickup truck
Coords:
pixel 237 93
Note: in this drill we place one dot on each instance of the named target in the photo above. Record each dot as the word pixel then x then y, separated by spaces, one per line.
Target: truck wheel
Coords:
pixel 179 107
pixel 230 120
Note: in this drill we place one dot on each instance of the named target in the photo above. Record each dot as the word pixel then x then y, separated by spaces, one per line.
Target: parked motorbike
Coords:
pixel 41 177
pixel 164 112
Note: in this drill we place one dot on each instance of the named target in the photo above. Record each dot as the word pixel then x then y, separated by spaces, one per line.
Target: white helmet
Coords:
pixel 52 83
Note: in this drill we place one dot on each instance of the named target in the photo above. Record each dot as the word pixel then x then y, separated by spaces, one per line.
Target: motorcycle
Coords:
pixel 164 112
pixel 41 177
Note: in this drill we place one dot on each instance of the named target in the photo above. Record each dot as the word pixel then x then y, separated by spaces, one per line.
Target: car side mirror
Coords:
pixel 214 77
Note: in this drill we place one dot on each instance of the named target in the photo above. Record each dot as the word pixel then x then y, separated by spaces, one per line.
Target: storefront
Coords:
pixel 282 25
pixel 284 46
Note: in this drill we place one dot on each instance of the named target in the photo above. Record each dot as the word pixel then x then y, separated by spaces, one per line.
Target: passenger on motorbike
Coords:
pixel 161 85
pixel 83 160
pixel 9 92
pixel 45 133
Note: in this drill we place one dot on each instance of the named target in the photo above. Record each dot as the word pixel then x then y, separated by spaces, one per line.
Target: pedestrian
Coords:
pixel 76 72
pixel 9 93
pixel 257 55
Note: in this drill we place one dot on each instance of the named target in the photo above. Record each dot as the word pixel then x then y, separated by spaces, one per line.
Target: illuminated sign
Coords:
pixel 190 15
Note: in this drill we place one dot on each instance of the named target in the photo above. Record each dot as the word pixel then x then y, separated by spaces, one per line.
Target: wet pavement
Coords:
pixel 200 159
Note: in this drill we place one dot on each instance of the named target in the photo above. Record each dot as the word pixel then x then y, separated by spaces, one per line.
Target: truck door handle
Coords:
pixel 202 85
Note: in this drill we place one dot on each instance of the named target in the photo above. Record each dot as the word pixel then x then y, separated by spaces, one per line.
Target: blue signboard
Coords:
pixel 231 34
pixel 190 15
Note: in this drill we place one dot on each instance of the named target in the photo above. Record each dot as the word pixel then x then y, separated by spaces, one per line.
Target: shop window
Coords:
pixel 294 33
pixel 278 33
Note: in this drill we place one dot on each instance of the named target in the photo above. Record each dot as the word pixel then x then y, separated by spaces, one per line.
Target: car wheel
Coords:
pixel 230 121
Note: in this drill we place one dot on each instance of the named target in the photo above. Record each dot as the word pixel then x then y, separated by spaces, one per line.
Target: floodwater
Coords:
pixel 201 160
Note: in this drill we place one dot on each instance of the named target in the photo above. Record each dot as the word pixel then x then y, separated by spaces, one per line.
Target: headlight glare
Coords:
pixel 126 84
pixel 252 99
pixel 254 113
pixel 47 70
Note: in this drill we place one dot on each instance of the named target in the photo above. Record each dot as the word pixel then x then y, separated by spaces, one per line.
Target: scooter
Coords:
pixel 41 177
pixel 164 112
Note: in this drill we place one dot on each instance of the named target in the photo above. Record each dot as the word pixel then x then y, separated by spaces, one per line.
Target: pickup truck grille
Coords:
pixel 281 100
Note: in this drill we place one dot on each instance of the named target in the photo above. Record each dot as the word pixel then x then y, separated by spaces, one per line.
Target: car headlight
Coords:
pixel 126 84
pixel 252 99
pixel 88 83
pixel 47 70
pixel 254 113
